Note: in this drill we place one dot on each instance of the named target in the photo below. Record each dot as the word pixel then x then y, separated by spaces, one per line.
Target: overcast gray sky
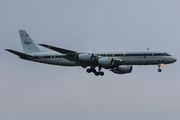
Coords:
pixel 34 91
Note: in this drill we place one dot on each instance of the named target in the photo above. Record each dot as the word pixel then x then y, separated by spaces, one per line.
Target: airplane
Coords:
pixel 119 61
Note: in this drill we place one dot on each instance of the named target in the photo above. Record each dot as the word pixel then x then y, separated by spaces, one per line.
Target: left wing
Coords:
pixel 85 59
pixel 61 50
pixel 70 55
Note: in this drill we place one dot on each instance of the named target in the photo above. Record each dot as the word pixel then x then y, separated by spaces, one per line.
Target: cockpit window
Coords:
pixel 166 54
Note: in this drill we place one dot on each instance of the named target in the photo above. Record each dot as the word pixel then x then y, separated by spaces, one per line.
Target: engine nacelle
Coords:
pixel 105 61
pixel 86 57
pixel 122 69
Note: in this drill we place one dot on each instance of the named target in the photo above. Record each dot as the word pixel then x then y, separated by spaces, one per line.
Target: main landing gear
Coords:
pixel 89 70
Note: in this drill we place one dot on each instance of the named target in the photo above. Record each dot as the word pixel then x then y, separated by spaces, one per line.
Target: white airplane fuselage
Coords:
pixel 136 57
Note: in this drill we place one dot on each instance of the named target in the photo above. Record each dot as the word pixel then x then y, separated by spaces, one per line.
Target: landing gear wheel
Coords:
pixel 88 70
pixel 93 70
pixel 159 70
pixel 101 73
pixel 96 73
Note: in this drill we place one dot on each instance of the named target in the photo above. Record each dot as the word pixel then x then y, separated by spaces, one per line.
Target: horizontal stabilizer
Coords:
pixel 18 53
pixel 61 50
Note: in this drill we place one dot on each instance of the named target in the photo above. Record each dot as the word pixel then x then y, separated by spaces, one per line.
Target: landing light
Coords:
pixel 161 64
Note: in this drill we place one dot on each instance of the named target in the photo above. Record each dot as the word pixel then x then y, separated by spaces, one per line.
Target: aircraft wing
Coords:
pixel 70 55
pixel 61 50
pixel 73 56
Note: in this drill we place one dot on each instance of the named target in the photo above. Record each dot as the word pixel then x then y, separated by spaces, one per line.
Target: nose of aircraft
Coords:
pixel 174 59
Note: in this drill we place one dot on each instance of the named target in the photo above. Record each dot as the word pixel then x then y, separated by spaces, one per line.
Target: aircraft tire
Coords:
pixel 88 70
pixel 96 73
pixel 101 73
pixel 159 70
pixel 93 70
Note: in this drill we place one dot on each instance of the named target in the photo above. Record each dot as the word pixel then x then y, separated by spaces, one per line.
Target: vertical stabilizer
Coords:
pixel 28 44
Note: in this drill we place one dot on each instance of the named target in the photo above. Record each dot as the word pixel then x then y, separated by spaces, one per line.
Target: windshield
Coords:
pixel 166 54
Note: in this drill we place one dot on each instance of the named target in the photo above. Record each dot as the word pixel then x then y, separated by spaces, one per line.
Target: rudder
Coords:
pixel 28 44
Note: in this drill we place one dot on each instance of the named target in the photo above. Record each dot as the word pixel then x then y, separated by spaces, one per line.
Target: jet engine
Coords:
pixel 122 69
pixel 86 57
pixel 105 61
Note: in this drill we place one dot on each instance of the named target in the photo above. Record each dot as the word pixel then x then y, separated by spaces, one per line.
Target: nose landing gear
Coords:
pixel 159 69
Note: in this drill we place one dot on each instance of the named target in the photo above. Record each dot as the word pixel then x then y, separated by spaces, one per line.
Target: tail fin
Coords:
pixel 28 45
